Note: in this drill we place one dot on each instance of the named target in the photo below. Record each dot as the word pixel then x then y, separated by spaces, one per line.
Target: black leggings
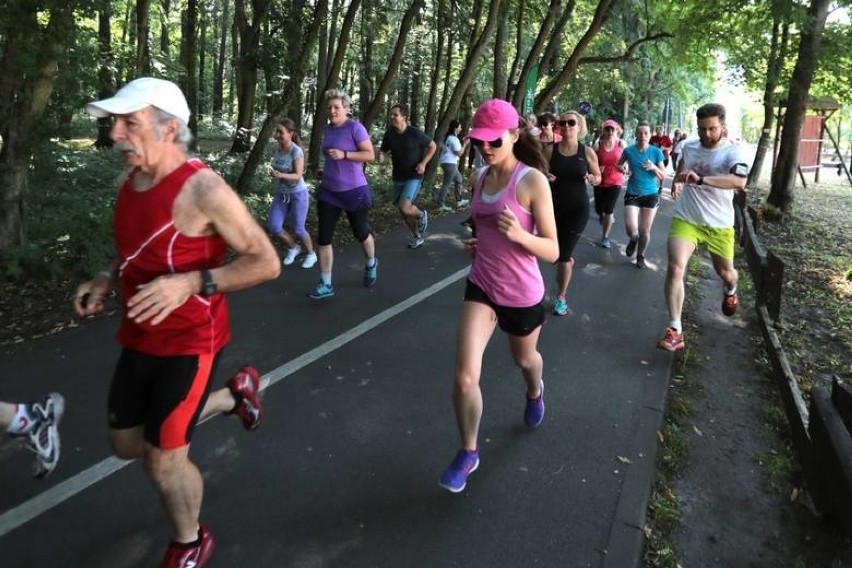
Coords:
pixel 328 215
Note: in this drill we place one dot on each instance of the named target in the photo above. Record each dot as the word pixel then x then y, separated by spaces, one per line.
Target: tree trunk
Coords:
pixel 784 176
pixel 22 109
pixel 321 113
pixel 165 41
pixel 500 84
pixel 777 56
pixel 536 52
pixel 190 87
pixel 466 76
pixel 444 34
pixel 143 41
pixel 249 35
pixel 602 13
pixel 106 77
pixel 375 106
pixel 219 64
pixel 289 97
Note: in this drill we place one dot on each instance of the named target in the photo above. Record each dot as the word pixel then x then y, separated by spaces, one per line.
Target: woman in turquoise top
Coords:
pixel 645 165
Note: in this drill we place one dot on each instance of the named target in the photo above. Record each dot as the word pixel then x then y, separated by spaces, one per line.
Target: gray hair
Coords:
pixel 184 136
pixel 339 94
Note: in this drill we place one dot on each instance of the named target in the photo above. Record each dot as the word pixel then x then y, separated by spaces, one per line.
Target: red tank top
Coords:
pixel 149 246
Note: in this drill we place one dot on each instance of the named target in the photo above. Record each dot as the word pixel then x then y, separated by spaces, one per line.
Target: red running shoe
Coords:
pixel 730 304
pixel 672 340
pixel 183 556
pixel 245 386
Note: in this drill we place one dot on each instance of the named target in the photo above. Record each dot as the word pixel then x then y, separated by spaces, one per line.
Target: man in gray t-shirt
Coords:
pixel 709 171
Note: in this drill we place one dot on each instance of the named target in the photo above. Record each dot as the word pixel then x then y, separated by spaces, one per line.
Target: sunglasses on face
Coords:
pixel 570 122
pixel 608 128
pixel 493 143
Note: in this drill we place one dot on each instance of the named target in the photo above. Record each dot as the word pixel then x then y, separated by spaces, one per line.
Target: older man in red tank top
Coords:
pixel 174 220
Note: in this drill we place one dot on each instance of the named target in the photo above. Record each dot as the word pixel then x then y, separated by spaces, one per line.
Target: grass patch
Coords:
pixel 664 508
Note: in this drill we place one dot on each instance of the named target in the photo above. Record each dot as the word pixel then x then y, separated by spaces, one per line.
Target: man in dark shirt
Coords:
pixel 410 149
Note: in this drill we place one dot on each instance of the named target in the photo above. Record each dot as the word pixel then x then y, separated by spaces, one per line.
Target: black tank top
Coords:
pixel 569 189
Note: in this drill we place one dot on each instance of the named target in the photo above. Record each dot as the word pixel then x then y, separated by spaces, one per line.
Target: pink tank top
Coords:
pixel 505 271
pixel 607 159
pixel 149 246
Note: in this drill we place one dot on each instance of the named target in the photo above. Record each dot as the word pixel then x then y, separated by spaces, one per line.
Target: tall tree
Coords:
pixel 298 64
pixel 601 14
pixel 777 55
pixel 31 48
pixel 143 37
pixel 371 112
pixel 784 176
pixel 247 36
pixel 106 75
pixel 329 82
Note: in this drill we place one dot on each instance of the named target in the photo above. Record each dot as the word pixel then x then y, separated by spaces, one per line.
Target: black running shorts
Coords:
pixel 165 395
pixel 514 321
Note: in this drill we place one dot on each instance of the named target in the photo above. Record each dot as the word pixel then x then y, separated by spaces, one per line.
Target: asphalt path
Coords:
pixel 359 426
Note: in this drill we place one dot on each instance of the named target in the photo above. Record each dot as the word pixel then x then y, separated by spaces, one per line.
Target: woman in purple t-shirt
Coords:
pixel 346 146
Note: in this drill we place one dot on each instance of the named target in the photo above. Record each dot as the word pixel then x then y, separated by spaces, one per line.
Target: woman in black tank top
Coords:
pixel 572 163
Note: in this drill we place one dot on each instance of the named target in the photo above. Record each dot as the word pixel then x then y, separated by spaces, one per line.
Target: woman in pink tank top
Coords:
pixel 513 214
pixel 608 149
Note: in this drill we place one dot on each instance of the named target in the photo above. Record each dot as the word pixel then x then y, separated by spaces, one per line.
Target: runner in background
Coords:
pixel 608 149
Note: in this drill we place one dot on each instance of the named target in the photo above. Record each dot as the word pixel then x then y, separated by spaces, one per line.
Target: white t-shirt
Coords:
pixel 451 146
pixel 701 204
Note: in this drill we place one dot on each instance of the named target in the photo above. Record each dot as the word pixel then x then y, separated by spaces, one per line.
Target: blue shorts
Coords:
pixel 407 190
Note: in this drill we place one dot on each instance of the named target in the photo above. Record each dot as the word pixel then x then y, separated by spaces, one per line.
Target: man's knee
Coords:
pixel 163 465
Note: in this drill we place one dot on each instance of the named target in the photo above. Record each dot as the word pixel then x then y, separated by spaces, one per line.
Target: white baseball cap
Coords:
pixel 141 93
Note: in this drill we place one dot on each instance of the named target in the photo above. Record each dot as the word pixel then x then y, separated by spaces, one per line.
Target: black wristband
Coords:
pixel 700 180
pixel 345 155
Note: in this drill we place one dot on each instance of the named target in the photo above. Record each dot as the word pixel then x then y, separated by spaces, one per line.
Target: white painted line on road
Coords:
pixel 307 358
pixel 61 492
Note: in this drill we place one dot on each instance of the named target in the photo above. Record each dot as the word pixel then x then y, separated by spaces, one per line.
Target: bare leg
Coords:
pixel 679 252
pixel 529 360
pixel 646 219
pixel 564 271
pixel 180 487
pixel 475 329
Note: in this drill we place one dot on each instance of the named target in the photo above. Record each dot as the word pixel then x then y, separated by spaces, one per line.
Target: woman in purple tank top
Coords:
pixel 513 212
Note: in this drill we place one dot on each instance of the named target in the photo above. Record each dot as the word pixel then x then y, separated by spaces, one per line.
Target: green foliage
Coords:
pixel 68 214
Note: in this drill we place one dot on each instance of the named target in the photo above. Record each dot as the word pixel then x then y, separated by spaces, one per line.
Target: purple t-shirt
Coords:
pixel 342 175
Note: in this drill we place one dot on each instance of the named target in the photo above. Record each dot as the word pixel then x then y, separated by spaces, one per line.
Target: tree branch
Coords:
pixel 628 53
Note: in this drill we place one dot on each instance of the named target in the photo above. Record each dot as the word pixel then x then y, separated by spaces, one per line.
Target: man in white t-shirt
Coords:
pixel 710 169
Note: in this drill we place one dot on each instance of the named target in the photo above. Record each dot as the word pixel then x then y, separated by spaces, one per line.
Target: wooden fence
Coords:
pixel 821 435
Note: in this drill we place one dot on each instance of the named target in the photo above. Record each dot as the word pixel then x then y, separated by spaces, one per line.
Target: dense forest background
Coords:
pixel 246 64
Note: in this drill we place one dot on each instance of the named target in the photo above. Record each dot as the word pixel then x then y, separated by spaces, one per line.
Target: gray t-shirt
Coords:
pixel 285 161
pixel 701 204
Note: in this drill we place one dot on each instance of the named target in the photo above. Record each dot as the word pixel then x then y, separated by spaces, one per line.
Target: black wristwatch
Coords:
pixel 700 180
pixel 208 286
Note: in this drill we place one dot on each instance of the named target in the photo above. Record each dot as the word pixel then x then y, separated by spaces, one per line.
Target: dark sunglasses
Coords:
pixel 608 128
pixel 569 122
pixel 493 143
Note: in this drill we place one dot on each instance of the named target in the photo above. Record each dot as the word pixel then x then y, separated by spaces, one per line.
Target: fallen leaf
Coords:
pixel 697 431
pixel 623 459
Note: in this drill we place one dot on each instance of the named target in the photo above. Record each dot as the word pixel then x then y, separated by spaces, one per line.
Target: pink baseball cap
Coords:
pixel 611 122
pixel 492 118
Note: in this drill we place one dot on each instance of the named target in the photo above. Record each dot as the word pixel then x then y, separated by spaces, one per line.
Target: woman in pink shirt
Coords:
pixel 513 214
pixel 608 149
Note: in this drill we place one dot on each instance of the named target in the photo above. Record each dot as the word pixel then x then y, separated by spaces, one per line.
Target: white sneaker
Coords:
pixel 310 260
pixel 291 255
pixel 44 437
pixel 463 203
pixel 445 209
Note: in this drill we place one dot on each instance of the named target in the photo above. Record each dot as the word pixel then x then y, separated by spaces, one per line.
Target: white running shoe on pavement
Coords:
pixel 44 437
pixel 310 260
pixel 292 253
